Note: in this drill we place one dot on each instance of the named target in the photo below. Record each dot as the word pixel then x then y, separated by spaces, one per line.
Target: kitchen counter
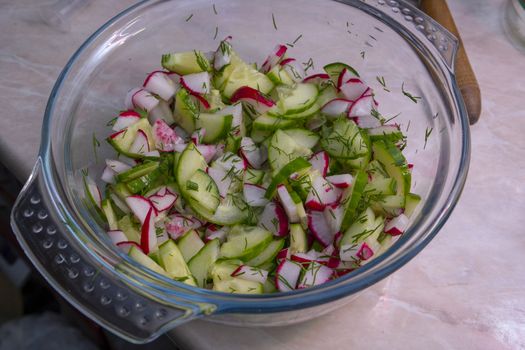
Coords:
pixel 466 290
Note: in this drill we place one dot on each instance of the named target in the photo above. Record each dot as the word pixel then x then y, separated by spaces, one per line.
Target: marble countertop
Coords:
pixel 466 290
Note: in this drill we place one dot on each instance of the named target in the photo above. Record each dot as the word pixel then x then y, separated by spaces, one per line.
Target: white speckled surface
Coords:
pixel 466 290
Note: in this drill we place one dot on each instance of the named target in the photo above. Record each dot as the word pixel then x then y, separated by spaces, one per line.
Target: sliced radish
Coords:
pixel 320 228
pixel 397 226
pixel 304 258
pixel 164 136
pixel 207 151
pixel 322 194
pixel 152 154
pixel 344 76
pixel 294 69
pixel 320 161
pixel 287 275
pixel 316 122
pixel 140 206
pixel 362 110
pixel 249 273
pixel 180 147
pixel 108 175
pixel 288 204
pixel 162 111
pixel 117 166
pixel 336 107
pixel 125 119
pixel 159 83
pixel 148 236
pixel 163 203
pixel 177 225
pixel 274 219
pixel 222 57
pixel 117 236
pixel 365 252
pixel 316 78
pixel 141 144
pixel 126 246
pixel 253 97
pixel 221 178
pixel 235 111
pixel 196 83
pixel 254 195
pixel 94 191
pixel 213 232
pixel 120 203
pixel 197 136
pixel 128 101
pixel 334 217
pixel 353 88
pixel 283 254
pixel 230 161
pixel 341 180
pixel 315 275
pixel 274 58
pixel 144 99
pixel 254 155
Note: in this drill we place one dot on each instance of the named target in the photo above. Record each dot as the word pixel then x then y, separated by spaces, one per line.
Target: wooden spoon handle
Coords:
pixel 468 85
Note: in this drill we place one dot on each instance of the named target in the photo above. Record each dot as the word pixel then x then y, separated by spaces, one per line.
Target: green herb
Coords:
pixel 215 9
pixel 187 19
pixel 409 95
pixel 362 54
pixel 372 37
pixel 408 126
pixel 112 122
pixel 192 186
pixel 381 81
pixel 273 20
pixel 427 135
pixel 216 32
pixel 308 64
pixel 96 144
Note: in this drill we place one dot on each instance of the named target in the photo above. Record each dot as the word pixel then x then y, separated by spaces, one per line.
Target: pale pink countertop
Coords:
pixel 466 290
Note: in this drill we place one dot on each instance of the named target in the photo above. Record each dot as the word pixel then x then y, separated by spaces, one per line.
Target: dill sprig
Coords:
pixel 382 81
pixel 428 132
pixel 274 23
pixel 215 9
pixel 189 17
pixel 96 144
pixel 408 94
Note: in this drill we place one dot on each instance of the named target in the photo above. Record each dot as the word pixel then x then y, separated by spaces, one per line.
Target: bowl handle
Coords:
pixel 419 23
pixel 95 291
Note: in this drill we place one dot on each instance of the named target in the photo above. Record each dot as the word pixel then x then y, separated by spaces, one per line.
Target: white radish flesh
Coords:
pixel 162 111
pixel 164 136
pixel 140 206
pixel 207 151
pixel 315 275
pixel 287 275
pixel 108 175
pixel 274 219
pixel 288 204
pixel 117 166
pixel 336 107
pixel 141 144
pixel 177 225
pixel 320 161
pixel 160 84
pixel 163 203
pixel 197 83
pixel 249 273
pixel 397 226
pixel 322 194
pixel 334 217
pixel 117 236
pixel 145 100
pixel 274 58
pixel 254 195
pixel 221 178
pixel 341 180
pixel 353 89
pixel 252 154
pixel 320 228
pixel 125 119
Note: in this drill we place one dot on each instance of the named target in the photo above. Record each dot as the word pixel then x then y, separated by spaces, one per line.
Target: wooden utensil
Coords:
pixel 468 85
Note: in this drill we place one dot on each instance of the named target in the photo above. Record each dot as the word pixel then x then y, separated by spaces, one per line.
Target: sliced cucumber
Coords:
pixel 344 140
pixel 123 140
pixel 186 62
pixel 202 193
pixel 411 203
pixel 190 161
pixel 283 149
pixel 296 99
pixel 279 76
pixel 253 176
pixel 352 197
pixel 394 163
pixel 298 240
pixel 390 133
pixel 328 93
pixel 220 78
pixel 174 264
pixel 335 69
pixel 266 122
pixel 222 269
pixel 190 244
pixel 201 263
pixel 389 205
pixel 247 76
pixel 231 211
pixel 186 110
pixel 109 213
pixel 361 229
pixel 130 229
pixel 305 138
pixel 217 126
pixel 268 254
pixel 137 171
pixel 238 286
pixel 381 186
pixel 296 165
pixel 245 242
pixel 137 255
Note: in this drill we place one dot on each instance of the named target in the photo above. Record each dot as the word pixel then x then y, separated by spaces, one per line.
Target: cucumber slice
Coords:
pixel 266 122
pixel 186 62
pixel 381 186
pixel 245 242
pixel 108 211
pixel 238 286
pixel 201 263
pixel 344 140
pixel 137 255
pixel 303 184
pixel 389 205
pixel 214 98
pixel 137 171
pixel 190 161
pixel 220 78
pixel 394 163
pixel 303 137
pixel 376 170
pixel 268 254
pixel 335 69
pixel 279 76
pixel 190 244
pixel 122 140
pixel 297 99
pixel 223 269
pixel 202 193
pixel 298 240
pixel 186 110
pixel 245 75
pixel 411 202
pixel 328 93
pixel 232 210
pixel 352 197
pixel 283 149
pixel 282 176
pixel 174 264
pixel 217 126
pixel 390 133
pixel 364 226
pixel 253 176
pixel 131 230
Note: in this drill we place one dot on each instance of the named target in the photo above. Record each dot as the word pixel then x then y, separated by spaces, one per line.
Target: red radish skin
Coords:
pixel 253 97
pixel 164 136
pixel 274 219
pixel 196 83
pixel 283 254
pixel 163 203
pixel 365 252
pixel 344 76
pixel 287 275
pixel 126 246
pixel 207 151
pixel 148 236
pixel 140 206
pixel 316 78
pixel 303 258
pixel 320 161
pixel 288 204
pixel 319 227
pixel 125 119
pixel 341 180
pixel 141 144
pixel 273 58
pixel 353 89
pixel 397 225
pixel 254 195
pixel 159 83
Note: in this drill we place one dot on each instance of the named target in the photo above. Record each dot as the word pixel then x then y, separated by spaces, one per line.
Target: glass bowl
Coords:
pixel 389 39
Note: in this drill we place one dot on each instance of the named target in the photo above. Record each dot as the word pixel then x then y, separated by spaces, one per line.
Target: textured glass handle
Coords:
pixel 416 21
pixel 94 291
